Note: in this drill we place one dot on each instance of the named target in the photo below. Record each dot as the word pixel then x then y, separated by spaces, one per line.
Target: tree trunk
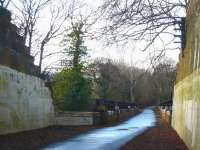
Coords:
pixel 41 55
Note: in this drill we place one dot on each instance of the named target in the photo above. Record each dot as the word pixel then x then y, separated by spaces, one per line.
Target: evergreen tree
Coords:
pixel 71 88
pixel 73 43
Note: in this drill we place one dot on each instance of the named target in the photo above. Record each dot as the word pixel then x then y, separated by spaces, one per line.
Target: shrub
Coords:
pixel 72 90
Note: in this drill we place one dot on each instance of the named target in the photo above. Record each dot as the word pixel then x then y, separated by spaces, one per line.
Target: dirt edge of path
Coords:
pixel 160 137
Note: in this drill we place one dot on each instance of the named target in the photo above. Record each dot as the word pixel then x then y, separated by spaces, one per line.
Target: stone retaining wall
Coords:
pixel 77 118
pixel 92 118
pixel 186 101
pixel 186 110
pixel 25 102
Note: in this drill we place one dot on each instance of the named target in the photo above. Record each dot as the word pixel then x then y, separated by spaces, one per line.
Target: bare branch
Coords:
pixel 140 19
pixel 4 3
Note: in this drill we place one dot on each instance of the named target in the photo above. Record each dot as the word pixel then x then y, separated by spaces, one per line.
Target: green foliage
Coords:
pixel 103 86
pixel 72 90
pixel 73 43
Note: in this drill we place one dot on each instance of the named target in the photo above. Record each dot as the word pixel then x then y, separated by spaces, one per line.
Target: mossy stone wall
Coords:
pixel 25 102
pixel 186 101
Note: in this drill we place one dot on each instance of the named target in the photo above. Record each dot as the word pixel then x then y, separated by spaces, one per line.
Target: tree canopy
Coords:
pixel 71 88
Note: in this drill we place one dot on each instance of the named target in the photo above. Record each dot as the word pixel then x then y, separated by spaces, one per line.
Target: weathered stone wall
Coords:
pixel 76 118
pixel 186 110
pixel 186 102
pixel 25 102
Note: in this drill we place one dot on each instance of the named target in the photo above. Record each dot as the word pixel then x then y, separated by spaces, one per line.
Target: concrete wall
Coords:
pixel 92 118
pixel 186 110
pixel 25 102
pixel 186 102
pixel 76 118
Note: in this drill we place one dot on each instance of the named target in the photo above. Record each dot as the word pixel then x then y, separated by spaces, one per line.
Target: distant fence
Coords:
pixel 110 104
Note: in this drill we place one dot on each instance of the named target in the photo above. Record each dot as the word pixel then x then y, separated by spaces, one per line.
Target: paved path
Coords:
pixel 109 138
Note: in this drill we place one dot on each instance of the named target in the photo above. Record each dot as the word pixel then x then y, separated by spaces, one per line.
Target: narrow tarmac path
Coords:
pixel 109 138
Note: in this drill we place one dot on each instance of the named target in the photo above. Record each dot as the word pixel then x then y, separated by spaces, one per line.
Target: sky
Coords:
pixel 130 53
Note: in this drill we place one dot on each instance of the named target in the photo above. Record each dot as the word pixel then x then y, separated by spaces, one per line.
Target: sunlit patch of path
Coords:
pixel 109 138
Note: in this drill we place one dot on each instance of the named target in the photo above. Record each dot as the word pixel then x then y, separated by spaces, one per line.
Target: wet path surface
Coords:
pixel 109 138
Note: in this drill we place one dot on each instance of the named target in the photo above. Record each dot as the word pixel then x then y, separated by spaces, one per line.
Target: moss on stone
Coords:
pixel 3 104
pixel 3 125
pixel 3 83
pixel 15 119
pixel 18 108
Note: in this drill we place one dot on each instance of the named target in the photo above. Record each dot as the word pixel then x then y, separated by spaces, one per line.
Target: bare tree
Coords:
pixel 163 79
pixel 59 15
pixel 29 14
pixel 4 3
pixel 145 20
pixel 60 12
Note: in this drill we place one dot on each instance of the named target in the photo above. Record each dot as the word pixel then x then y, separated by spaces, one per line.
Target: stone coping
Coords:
pixel 77 114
